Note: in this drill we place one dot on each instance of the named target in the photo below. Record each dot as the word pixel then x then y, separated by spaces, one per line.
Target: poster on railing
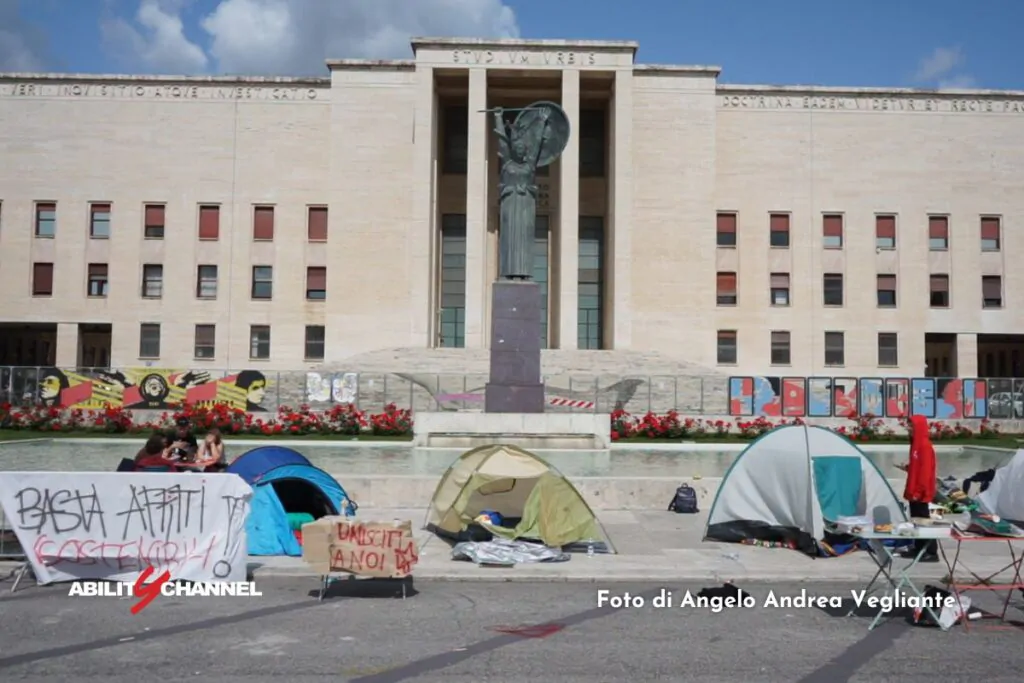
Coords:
pixel 113 525
pixel 951 398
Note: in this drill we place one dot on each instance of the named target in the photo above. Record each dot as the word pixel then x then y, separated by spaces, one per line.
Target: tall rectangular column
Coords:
pixel 476 210
pixel 422 260
pixel 966 355
pixel 66 355
pixel 569 217
pixel 621 212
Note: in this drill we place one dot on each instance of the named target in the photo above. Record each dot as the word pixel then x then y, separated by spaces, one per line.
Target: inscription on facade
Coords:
pixel 524 57
pixel 136 91
pixel 905 103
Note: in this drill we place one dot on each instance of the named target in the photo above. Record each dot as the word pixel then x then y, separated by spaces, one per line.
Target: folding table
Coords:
pixel 984 583
pixel 886 560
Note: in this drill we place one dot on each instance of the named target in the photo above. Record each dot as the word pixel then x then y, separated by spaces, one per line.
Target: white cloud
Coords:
pixel 22 45
pixel 943 68
pixel 156 39
pixel 292 37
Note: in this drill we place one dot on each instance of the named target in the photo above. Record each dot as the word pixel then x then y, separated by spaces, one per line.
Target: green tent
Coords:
pixel 518 485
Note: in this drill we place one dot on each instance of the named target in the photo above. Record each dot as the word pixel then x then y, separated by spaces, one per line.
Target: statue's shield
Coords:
pixel 546 127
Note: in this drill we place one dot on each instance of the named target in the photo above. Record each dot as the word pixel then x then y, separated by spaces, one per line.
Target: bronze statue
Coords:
pixel 536 138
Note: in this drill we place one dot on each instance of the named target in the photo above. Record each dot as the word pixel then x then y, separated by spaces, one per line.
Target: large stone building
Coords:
pixel 288 223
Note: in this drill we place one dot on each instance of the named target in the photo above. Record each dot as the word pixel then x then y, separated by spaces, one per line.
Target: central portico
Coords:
pixel 582 252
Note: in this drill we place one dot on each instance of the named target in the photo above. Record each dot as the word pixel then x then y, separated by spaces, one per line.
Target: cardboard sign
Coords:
pixel 113 525
pixel 373 549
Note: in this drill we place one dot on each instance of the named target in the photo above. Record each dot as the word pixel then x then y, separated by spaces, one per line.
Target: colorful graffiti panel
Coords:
pixel 937 398
pixel 150 389
pixel 922 396
pixel 794 397
pixel 897 397
pixel 869 396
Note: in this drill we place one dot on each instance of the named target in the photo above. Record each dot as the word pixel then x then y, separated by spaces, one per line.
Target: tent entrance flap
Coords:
pixel 839 484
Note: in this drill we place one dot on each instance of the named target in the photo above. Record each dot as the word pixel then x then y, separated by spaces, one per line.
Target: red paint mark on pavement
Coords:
pixel 535 631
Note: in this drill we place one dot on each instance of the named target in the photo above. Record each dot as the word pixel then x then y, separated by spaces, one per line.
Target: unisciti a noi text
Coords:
pixel 801 600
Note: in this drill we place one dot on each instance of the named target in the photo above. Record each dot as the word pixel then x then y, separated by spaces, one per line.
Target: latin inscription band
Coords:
pixel 158 92
pixel 896 103
pixel 524 57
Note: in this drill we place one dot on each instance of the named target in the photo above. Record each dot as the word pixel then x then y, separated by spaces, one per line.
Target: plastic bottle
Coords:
pixel 590 547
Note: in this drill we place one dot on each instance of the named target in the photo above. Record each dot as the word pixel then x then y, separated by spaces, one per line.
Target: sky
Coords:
pixel 882 43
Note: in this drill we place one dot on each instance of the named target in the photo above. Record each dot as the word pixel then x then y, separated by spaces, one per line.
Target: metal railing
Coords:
pixel 141 388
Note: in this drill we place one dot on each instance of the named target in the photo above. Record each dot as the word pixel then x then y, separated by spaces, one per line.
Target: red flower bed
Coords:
pixel 342 419
pixel 671 425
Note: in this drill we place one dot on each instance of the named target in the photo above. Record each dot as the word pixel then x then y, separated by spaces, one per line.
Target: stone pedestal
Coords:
pixel 515 385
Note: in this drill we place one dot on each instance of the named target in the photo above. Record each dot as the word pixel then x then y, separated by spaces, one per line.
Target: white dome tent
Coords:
pixel 785 485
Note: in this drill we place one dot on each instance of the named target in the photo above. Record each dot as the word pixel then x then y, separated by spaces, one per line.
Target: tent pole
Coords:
pixel 810 481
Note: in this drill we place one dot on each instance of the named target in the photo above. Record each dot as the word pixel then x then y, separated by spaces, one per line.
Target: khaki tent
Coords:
pixel 520 486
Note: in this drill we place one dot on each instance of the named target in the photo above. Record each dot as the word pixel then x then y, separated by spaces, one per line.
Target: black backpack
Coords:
pixel 684 501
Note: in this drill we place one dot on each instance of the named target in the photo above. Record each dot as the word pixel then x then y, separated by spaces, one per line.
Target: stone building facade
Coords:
pixel 297 223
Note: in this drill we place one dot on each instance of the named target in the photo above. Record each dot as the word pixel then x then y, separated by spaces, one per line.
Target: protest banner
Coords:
pixel 113 525
pixel 371 549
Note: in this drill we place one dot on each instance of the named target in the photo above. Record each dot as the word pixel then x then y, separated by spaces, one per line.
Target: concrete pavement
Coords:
pixel 480 633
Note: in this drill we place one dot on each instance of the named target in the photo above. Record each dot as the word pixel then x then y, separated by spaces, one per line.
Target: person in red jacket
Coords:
pixel 921 482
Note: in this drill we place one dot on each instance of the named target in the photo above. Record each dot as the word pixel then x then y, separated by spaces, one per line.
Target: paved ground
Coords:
pixel 452 632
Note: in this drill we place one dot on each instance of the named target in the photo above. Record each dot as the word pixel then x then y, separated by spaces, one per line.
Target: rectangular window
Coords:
pixel 832 231
pixel 725 230
pixel 727 352
pixel 152 281
pixel 886 291
pixel 780 348
pixel 590 321
pixel 99 221
pixel 888 350
pixel 42 279
pixel 315 341
pixel 593 130
pixel 726 289
pixel 149 340
pixel 206 282
pixel 205 342
pixel 885 232
pixel 938 233
pixel 939 287
pixel 452 330
pixel 262 282
pixel 209 222
pixel 832 286
pixel 780 289
pixel 835 348
pixel 46 220
pixel 456 140
pixel 990 233
pixel 778 230
pixel 259 342
pixel 316 224
pixel 97 279
pixel 992 291
pixel 263 223
pixel 153 224
pixel 316 283
pixel 540 273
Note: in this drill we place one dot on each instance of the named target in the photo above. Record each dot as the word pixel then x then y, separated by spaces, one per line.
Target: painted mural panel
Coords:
pixel 794 397
pixel 897 397
pixel 768 396
pixel 949 399
pixel 150 389
pixel 922 396
pixel 869 396
pixel 844 397
pixel 741 396
pixel 819 397
pixel 975 398
pixel 1005 398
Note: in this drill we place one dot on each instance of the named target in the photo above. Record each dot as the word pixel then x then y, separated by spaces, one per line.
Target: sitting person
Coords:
pixel 211 452
pixel 153 454
pixel 182 445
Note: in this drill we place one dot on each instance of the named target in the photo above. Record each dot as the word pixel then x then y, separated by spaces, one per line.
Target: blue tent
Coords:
pixel 287 484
